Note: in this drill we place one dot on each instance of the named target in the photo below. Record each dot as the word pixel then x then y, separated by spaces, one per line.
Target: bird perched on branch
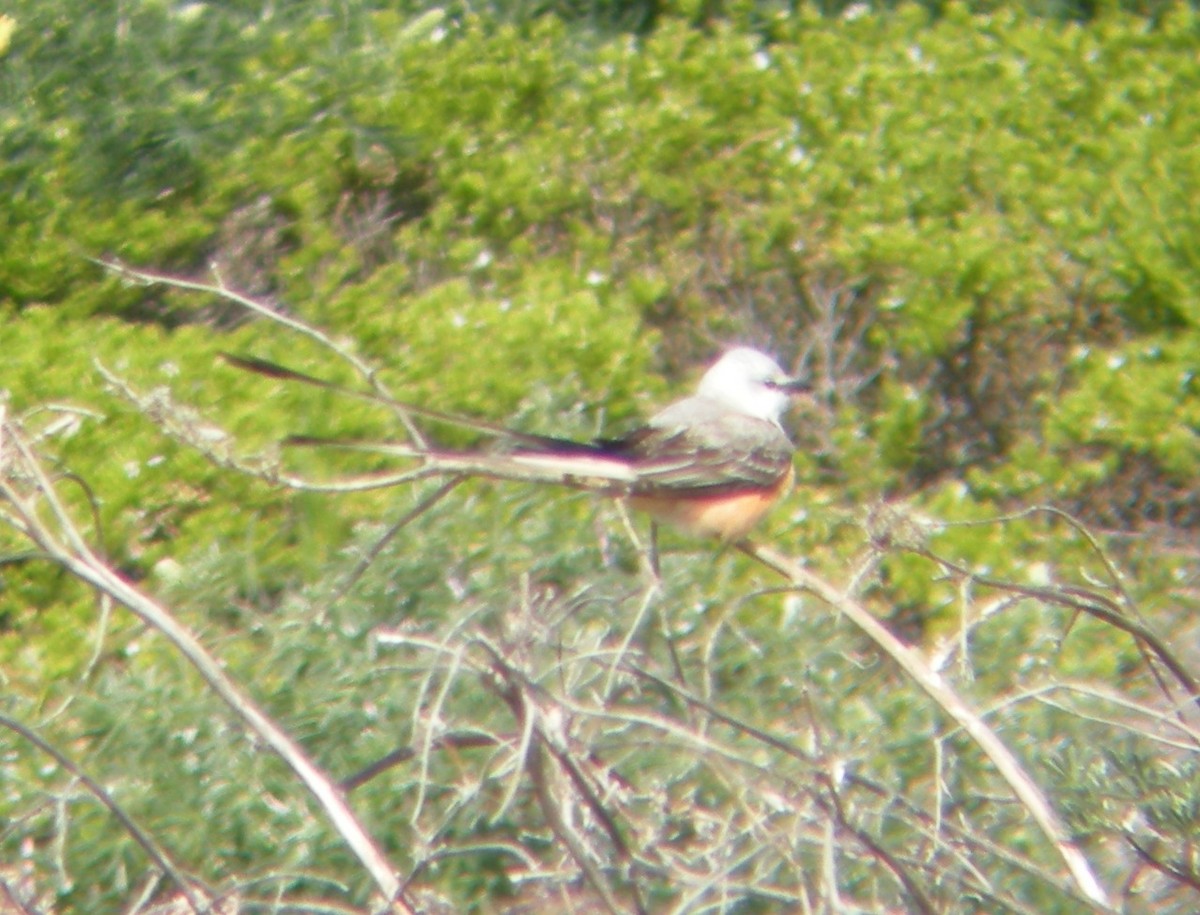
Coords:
pixel 710 465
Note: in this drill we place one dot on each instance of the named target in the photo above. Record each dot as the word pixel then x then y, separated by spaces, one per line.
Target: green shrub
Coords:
pixel 976 231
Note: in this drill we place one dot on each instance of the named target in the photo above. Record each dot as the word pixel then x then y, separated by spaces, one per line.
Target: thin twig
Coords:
pixel 364 563
pixel 457 741
pixel 158 855
pixel 219 289
pixel 1086 601
pixel 1188 878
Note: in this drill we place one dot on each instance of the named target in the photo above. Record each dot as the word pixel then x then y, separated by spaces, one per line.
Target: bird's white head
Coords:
pixel 750 382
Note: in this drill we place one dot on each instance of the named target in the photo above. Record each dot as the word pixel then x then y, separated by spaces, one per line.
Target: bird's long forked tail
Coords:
pixel 270 369
pixel 530 457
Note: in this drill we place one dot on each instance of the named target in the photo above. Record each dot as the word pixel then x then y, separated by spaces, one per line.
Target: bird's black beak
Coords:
pixel 796 386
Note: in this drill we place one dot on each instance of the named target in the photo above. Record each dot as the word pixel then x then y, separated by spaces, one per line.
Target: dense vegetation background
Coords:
pixel 974 226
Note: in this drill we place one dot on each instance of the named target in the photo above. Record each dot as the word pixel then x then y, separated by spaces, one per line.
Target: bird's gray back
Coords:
pixel 701 445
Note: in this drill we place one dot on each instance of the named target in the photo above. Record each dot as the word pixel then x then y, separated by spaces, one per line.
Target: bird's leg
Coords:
pixel 656 576
pixel 654 572
pixel 647 552
pixel 650 564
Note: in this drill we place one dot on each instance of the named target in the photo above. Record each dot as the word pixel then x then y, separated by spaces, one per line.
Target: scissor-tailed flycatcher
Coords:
pixel 710 465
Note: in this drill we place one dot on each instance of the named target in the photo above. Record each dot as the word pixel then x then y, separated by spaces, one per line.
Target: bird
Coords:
pixel 710 465
pixel 713 464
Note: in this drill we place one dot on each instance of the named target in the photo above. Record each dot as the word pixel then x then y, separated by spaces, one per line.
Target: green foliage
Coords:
pixel 977 231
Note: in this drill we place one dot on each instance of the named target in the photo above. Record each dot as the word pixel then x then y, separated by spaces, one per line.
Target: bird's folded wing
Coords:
pixel 727 454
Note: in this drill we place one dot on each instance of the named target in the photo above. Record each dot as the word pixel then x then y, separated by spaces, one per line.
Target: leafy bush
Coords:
pixel 973 230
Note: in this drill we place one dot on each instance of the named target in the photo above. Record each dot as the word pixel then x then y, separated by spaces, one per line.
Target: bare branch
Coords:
pixel 219 289
pixel 915 667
